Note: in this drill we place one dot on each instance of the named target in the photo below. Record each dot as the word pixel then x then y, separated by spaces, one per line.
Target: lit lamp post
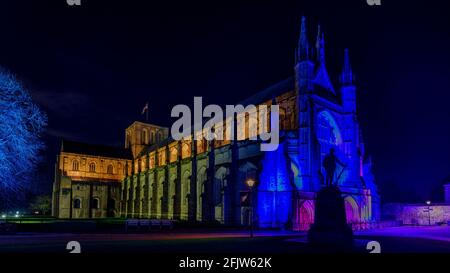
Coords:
pixel 429 209
pixel 251 183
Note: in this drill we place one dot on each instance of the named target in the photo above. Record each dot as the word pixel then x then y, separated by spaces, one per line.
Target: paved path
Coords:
pixel 400 239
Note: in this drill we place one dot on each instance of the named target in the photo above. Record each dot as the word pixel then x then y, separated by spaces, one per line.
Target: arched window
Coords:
pixel 160 137
pixel 92 167
pixel 144 137
pixel 95 203
pixel 152 137
pixel 186 149
pixel 75 165
pixel 110 169
pixel 77 203
pixel 173 154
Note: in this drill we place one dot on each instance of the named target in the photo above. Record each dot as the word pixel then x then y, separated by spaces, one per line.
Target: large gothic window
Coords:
pixel 328 134
pixel 327 129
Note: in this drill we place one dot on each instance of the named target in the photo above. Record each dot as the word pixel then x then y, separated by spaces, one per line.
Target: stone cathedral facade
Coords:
pixel 204 181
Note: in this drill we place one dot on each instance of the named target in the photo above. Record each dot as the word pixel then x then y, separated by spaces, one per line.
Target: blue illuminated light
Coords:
pixel 274 189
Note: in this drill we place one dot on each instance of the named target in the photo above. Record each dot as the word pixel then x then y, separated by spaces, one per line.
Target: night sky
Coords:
pixel 92 68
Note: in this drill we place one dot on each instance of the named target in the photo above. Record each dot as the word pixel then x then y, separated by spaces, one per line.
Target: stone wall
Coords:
pixel 417 214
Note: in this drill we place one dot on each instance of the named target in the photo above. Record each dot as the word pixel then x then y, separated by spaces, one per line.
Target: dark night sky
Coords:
pixel 92 68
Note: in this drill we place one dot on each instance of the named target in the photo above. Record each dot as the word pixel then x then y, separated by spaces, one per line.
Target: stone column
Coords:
pixel 178 180
pixel 124 193
pixel 147 187
pixel 208 204
pixel 192 201
pixel 231 196
pixel 130 210
pixel 165 200
pixel 90 200
pixel 137 198
pixel 155 187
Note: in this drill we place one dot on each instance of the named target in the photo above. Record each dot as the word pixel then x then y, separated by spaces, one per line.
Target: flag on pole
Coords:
pixel 145 109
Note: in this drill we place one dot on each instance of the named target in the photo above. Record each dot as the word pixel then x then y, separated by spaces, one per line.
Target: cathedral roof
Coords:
pixel 271 92
pixel 153 147
pixel 75 147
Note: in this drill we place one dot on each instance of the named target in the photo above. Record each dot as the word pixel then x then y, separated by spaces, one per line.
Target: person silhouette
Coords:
pixel 329 163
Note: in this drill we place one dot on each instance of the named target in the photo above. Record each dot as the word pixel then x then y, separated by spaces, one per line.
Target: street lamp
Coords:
pixel 251 183
pixel 429 212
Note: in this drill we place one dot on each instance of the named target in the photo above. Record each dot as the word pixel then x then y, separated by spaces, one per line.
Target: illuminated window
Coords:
pixel 152 161
pixel 252 125
pixel 240 126
pixel 143 163
pixel 152 137
pixel 75 165
pixel 186 149
pixel 144 137
pixel 173 154
pixel 92 167
pixel 110 169
pixel 227 131
pixel 283 121
pixel 162 157
pixel 201 143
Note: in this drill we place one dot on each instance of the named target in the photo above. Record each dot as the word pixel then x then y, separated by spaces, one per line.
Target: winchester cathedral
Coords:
pixel 156 177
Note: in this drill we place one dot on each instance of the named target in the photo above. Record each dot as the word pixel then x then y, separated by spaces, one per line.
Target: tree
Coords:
pixel 42 203
pixel 21 126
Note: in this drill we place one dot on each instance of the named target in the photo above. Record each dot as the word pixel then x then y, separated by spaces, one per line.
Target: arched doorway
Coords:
pixel 201 178
pixel 305 215
pixel 185 189
pixel 219 200
pixel 351 210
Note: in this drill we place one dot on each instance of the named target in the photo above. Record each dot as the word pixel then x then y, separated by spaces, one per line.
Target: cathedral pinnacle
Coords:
pixel 347 77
